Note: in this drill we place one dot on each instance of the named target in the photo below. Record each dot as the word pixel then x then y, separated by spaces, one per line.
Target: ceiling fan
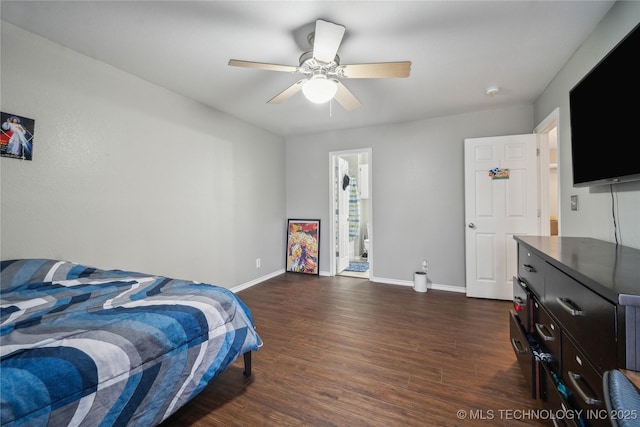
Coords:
pixel 321 69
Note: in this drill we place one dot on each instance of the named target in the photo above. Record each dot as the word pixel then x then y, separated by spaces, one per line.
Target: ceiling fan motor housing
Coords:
pixel 309 65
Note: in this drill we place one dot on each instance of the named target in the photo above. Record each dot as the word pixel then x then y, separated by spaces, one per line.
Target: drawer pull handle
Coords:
pixel 518 347
pixel 569 306
pixel 544 332
pixel 573 379
pixel 529 268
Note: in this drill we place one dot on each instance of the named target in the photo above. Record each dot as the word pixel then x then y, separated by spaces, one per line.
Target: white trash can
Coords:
pixel 420 281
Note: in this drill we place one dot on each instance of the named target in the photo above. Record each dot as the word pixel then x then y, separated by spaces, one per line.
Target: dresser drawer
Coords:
pixel 554 400
pixel 584 383
pixel 531 270
pixel 584 315
pixel 524 354
pixel 547 334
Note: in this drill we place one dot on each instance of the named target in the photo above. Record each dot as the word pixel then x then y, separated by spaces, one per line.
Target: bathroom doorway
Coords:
pixel 351 222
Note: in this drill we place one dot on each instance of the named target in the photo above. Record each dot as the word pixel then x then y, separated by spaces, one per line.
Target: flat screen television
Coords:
pixel 604 110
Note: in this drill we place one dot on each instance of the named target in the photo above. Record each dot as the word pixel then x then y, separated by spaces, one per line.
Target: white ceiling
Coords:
pixel 458 49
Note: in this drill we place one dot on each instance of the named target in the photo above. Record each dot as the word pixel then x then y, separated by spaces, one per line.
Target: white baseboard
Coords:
pixel 410 283
pixel 397 282
pixel 256 281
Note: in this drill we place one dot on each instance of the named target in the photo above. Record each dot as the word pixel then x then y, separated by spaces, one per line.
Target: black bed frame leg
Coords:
pixel 247 364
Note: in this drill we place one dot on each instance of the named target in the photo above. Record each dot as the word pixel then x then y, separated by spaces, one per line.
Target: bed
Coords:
pixel 84 346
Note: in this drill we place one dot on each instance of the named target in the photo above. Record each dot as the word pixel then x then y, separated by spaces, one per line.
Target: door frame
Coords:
pixel 552 121
pixel 342 242
pixel 332 206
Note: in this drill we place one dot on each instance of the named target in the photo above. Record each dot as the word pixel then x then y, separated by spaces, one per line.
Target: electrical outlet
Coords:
pixel 258 262
pixel 574 203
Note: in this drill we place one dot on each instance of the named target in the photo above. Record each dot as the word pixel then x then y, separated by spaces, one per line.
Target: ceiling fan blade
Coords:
pixel 287 93
pixel 326 40
pixel 346 98
pixel 263 66
pixel 380 70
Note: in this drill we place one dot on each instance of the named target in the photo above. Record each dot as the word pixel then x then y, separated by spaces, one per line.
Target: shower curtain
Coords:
pixel 354 210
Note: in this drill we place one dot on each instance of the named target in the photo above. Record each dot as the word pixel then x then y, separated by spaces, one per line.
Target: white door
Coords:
pixel 501 200
pixel 342 255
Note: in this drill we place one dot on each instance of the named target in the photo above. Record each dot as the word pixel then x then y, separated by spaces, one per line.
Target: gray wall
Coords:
pixel 128 175
pixel 417 188
pixel 593 218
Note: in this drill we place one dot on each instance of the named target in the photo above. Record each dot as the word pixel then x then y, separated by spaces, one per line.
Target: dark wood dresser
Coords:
pixel 576 315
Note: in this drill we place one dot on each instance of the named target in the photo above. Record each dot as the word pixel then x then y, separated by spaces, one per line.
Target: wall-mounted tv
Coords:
pixel 605 118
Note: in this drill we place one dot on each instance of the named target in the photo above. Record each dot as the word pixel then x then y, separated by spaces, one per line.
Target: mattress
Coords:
pixel 84 346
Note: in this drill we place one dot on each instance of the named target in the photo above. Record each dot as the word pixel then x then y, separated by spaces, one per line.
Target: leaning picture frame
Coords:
pixel 303 246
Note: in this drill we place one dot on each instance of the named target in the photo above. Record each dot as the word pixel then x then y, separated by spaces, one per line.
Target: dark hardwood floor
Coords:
pixel 344 351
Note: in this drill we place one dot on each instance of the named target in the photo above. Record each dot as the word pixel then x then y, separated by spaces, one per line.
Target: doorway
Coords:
pixel 491 260
pixel 549 173
pixel 351 222
pixel 501 200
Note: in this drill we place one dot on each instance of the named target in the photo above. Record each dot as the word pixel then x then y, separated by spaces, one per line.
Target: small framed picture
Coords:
pixel 303 246
pixel 16 136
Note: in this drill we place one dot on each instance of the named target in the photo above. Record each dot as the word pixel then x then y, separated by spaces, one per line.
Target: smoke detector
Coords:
pixel 492 90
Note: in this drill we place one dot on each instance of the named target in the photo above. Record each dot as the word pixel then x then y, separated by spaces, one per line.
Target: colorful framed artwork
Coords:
pixel 16 136
pixel 303 246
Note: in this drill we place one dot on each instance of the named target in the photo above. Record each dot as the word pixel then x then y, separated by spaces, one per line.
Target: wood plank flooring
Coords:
pixel 343 351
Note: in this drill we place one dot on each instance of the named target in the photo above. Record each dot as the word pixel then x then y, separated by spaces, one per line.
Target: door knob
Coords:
pixel 472 225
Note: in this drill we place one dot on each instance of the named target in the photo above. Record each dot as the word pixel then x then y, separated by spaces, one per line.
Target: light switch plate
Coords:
pixel 574 202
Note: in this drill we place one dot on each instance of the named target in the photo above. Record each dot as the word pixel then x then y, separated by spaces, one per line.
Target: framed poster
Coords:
pixel 16 136
pixel 303 246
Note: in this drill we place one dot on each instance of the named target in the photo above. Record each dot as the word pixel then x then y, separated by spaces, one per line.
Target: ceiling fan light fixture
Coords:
pixel 318 89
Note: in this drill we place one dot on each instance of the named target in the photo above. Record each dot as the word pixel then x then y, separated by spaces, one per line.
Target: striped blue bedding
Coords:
pixel 84 346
